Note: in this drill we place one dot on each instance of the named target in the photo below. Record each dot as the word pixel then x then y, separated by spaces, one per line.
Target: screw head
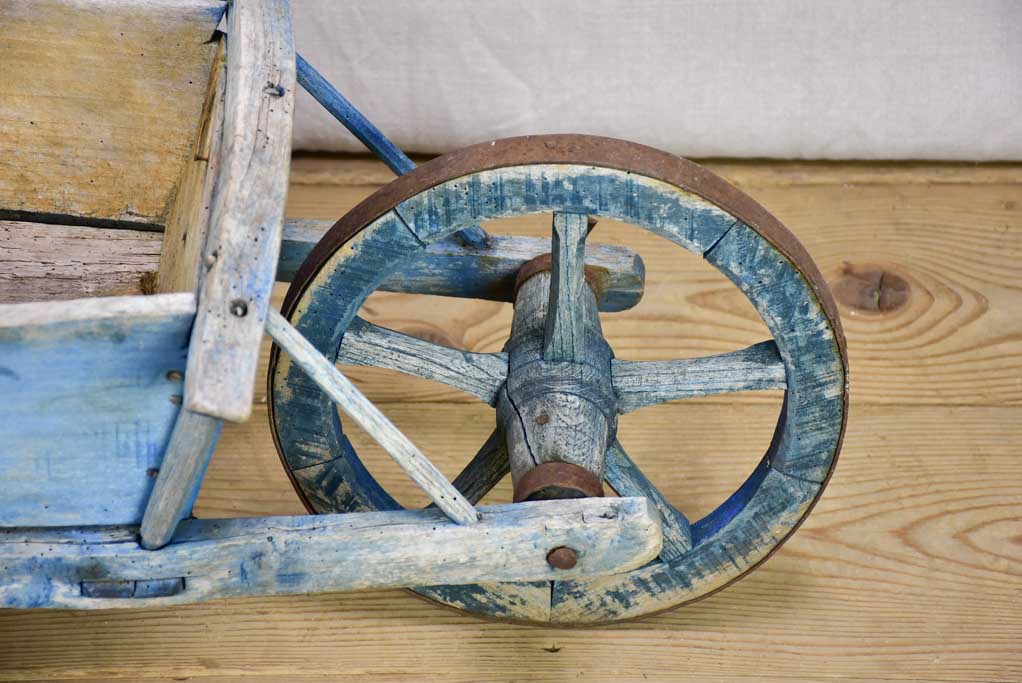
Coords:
pixel 239 308
pixel 542 419
pixel 562 557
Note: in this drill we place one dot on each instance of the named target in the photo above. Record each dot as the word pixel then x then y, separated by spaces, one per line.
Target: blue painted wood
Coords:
pixel 92 390
pixel 753 521
pixel 771 512
pixel 361 410
pixel 344 111
pixel 448 269
pixel 188 453
pixel 628 480
pixel 687 219
pixel 207 559
pixel 247 214
pixel 805 339
pixel 369 135
pixel 479 374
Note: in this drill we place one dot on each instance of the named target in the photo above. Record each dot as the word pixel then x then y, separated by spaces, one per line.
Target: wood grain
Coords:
pixel 216 558
pixel 91 389
pixel 47 262
pixel 957 243
pixel 187 225
pixel 247 215
pixel 910 568
pixel 99 105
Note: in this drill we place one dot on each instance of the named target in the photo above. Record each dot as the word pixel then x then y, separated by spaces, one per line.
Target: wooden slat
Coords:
pixel 185 460
pixel 479 374
pixel 99 106
pixel 286 555
pixel 488 273
pixel 45 262
pixel 644 383
pixel 251 187
pixel 92 388
pixel 356 406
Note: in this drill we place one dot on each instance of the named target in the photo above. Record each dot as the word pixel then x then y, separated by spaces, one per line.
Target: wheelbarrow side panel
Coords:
pixel 89 391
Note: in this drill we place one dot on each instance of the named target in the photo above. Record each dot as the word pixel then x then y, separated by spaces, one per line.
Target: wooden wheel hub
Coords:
pixel 557 388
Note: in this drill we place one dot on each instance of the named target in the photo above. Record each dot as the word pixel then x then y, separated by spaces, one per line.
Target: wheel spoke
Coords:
pixel 479 374
pixel 565 321
pixel 646 383
pixel 489 466
pixel 369 135
pixel 625 478
pixel 360 409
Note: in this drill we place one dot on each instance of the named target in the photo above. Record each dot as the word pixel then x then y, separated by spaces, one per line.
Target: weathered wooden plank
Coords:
pixel 279 555
pixel 479 374
pixel 566 319
pixel 184 463
pixel 248 210
pixel 646 383
pixel 99 106
pixel 368 134
pixel 40 262
pixel 356 406
pixel 184 235
pixel 93 387
pixel 489 273
pixel 628 480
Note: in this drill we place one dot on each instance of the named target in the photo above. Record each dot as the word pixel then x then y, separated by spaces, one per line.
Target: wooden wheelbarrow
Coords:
pixel 112 406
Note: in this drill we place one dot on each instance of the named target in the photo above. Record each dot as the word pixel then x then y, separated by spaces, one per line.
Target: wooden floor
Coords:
pixel 910 568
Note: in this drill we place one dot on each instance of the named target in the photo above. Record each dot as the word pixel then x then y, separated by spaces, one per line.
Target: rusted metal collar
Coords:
pixel 554 480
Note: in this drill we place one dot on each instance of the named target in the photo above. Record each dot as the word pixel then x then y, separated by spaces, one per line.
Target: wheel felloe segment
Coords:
pixel 593 177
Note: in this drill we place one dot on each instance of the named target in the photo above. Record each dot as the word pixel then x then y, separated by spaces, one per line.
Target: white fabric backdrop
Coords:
pixel 864 79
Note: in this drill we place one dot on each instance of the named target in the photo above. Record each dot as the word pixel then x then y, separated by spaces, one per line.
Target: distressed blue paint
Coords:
pixel 489 273
pixel 345 112
pixel 88 412
pixel 755 519
pixel 711 524
pixel 771 512
pixel 368 134
pixel 305 418
pixel 805 340
pixel 105 567
pixel 520 190
pixel 628 480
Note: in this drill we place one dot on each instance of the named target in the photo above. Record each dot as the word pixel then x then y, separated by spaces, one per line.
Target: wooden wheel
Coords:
pixel 556 387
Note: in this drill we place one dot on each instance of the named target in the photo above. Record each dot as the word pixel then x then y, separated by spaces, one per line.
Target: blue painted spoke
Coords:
pixel 625 478
pixel 368 134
